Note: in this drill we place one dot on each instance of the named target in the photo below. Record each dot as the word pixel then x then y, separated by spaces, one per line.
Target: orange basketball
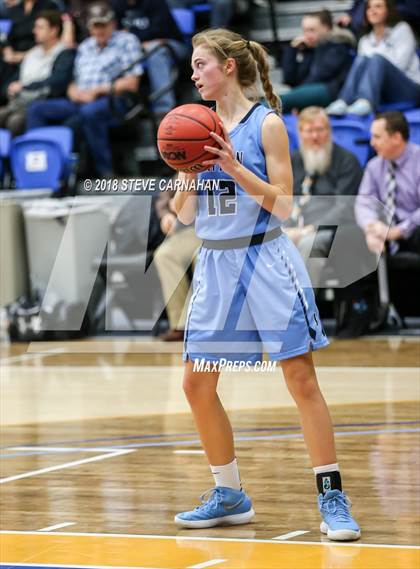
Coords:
pixel 182 135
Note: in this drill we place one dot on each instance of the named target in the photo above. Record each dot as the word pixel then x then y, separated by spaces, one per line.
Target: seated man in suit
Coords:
pixel 326 176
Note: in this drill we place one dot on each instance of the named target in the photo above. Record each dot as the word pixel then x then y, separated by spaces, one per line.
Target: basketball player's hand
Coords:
pixel 223 156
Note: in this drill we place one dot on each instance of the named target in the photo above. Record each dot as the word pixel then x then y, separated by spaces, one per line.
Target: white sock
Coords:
pixel 227 475
pixel 326 468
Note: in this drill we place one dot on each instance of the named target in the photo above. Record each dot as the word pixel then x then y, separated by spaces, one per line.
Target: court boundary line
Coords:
pixel 223 539
pixel 65 465
pixel 72 566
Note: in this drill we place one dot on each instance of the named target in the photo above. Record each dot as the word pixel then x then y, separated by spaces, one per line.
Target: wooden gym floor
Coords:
pixel 99 452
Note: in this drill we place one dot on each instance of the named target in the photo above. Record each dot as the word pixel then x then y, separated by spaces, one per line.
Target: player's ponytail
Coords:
pixel 260 55
pixel 250 56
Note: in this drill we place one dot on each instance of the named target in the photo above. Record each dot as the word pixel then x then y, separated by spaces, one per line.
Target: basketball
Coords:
pixel 182 135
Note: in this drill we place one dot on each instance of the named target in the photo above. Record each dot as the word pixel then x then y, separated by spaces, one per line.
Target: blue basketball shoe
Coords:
pixel 220 506
pixel 337 522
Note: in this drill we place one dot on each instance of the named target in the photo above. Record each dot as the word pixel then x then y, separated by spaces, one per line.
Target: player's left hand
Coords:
pixel 223 156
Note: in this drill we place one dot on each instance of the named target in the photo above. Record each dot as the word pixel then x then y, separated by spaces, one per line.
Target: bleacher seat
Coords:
pixel 293 139
pixel 413 118
pixel 63 136
pixel 352 135
pixel 290 122
pixel 400 106
pixel 5 26
pixel 42 157
pixel 199 8
pixel 5 139
pixel 185 20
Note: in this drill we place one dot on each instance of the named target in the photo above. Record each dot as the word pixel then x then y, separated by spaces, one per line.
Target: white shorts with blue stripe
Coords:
pixel 249 300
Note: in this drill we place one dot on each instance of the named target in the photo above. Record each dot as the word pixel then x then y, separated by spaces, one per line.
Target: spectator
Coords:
pixel 173 258
pixel 386 57
pixel 105 64
pixel 393 179
pixel 20 39
pixel 5 5
pixel 46 71
pixel 151 21
pixel 75 21
pixel 316 63
pixel 354 18
pixel 322 168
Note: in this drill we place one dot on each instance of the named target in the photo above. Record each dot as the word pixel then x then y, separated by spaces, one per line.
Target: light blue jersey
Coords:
pixel 254 296
pixel 226 210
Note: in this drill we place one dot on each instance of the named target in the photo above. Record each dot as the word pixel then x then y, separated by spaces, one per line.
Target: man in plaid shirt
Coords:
pixel 99 69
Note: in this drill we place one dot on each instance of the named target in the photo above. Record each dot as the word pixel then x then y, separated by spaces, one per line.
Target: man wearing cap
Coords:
pixel 105 64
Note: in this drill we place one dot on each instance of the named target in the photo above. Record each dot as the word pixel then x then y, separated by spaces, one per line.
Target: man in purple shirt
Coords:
pixel 397 221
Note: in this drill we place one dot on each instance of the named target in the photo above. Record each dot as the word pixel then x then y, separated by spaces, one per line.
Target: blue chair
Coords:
pixel 5 25
pixel 400 106
pixel 293 139
pixel 414 131
pixel 185 20
pixel 36 163
pixel 61 135
pixel 352 135
pixel 5 139
pixel 197 8
pixel 290 122
pixel 413 118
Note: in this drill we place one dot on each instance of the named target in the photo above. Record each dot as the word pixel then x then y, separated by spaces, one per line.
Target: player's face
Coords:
pixel 316 133
pixel 208 74
pixel 376 12
pixel 382 141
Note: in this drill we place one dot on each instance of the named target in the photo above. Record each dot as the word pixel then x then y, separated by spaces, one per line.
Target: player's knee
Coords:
pixel 302 386
pixel 197 390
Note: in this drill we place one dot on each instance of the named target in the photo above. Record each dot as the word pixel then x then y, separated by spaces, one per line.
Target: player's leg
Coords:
pixel 301 380
pixel 226 503
pixel 210 417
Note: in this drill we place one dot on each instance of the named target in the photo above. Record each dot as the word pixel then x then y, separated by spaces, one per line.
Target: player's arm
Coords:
pixel 276 195
pixel 184 203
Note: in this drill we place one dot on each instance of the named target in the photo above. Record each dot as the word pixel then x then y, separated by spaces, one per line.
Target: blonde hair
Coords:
pixel 250 57
pixel 310 113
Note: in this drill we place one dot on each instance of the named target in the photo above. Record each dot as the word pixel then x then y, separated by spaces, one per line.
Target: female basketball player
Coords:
pixel 251 289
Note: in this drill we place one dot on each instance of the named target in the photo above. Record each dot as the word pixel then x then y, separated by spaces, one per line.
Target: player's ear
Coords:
pixel 230 65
